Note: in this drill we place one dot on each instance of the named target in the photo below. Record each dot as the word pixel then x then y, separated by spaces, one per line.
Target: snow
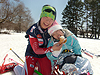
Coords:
pixel 18 43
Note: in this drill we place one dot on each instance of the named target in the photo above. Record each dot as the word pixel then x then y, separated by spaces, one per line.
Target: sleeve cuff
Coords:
pixel 51 50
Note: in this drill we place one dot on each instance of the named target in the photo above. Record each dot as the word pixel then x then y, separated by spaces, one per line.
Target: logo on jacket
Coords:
pixel 40 39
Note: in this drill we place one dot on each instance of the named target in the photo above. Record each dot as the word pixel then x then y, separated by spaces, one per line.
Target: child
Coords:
pixel 70 53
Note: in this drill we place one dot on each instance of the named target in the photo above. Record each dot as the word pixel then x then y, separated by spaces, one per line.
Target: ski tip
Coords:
pixel 10 48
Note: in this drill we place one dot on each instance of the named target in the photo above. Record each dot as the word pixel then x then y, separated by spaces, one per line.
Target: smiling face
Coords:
pixel 57 34
pixel 46 22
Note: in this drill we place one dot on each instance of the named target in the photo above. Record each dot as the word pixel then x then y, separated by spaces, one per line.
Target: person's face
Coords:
pixel 46 22
pixel 57 34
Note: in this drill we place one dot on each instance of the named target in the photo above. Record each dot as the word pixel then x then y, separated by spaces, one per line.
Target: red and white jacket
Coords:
pixel 38 40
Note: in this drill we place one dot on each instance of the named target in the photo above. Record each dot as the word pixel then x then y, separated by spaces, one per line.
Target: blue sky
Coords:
pixel 35 7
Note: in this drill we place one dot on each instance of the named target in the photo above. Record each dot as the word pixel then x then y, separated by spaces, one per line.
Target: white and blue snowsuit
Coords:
pixel 71 45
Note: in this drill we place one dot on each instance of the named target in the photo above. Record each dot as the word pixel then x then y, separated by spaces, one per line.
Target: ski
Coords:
pixel 89 53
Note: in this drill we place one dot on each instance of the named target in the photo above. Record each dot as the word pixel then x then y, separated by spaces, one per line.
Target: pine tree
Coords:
pixel 72 15
pixel 93 9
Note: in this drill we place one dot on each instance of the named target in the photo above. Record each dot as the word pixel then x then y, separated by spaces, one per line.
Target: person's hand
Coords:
pixel 57 46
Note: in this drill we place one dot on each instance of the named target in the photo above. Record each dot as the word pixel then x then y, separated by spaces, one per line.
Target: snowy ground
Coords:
pixel 18 43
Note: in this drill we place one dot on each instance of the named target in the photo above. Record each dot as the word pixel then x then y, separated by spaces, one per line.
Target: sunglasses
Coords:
pixel 49 10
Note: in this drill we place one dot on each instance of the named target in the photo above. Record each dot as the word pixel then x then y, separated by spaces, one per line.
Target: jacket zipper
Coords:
pixel 44 39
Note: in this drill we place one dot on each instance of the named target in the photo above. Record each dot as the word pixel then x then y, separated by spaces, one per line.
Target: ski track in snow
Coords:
pixel 18 43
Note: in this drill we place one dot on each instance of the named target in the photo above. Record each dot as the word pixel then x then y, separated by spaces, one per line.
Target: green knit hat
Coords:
pixel 48 11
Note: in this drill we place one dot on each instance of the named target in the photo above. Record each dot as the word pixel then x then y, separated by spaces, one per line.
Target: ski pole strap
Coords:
pixel 15 61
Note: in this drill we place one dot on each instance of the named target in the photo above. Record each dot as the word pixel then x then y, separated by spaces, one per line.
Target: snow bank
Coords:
pixel 18 43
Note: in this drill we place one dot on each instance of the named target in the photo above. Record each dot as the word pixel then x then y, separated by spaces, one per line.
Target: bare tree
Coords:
pixel 14 16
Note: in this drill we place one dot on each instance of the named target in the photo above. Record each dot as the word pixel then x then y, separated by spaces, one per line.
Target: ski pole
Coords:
pixel 37 72
pixel 23 62
pixel 92 53
pixel 86 53
pixel 16 55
